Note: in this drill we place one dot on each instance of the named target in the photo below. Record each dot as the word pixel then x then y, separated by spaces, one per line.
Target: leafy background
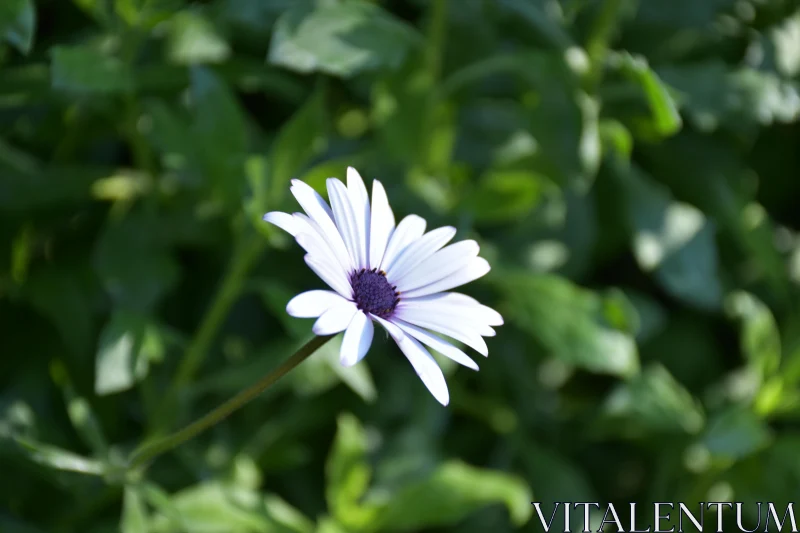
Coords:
pixel 629 168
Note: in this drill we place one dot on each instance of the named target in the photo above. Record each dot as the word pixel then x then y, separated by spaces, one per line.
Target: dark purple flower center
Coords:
pixel 373 293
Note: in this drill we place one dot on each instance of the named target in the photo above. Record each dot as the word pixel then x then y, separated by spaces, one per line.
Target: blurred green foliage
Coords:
pixel 629 167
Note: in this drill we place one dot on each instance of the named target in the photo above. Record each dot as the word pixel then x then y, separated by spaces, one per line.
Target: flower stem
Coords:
pixel 150 451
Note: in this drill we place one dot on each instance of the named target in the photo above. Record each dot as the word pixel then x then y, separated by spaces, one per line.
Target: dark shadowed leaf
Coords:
pixel 219 133
pixel 134 268
pixel 298 141
pixel 736 433
pixel 61 295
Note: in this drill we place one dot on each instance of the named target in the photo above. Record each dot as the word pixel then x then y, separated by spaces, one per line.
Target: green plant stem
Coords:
pixel 150 451
pixel 436 34
pixel 245 256
pixel 597 45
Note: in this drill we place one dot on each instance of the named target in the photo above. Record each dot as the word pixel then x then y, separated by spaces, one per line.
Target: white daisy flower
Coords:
pixel 393 275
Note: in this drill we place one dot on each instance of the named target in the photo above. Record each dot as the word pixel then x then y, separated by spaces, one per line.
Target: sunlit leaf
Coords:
pixel 18 23
pixel 83 70
pixel 505 195
pixel 134 512
pixel 568 322
pixel 193 40
pixel 128 345
pixel 450 494
pixel 760 338
pixel 342 39
pixel 654 402
pixel 674 240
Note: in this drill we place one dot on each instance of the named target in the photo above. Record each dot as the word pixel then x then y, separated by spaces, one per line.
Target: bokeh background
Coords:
pixel 631 170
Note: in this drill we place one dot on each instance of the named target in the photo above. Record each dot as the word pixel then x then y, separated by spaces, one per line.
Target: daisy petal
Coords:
pixel 424 364
pixel 461 331
pixel 330 275
pixel 408 230
pixel 381 225
pixel 418 251
pixel 335 320
pixel 456 305
pixel 316 247
pixel 311 304
pixel 285 221
pixel 345 218
pixel 318 211
pixel 357 340
pixel 476 268
pixel 446 261
pixel 359 199
pixel 438 344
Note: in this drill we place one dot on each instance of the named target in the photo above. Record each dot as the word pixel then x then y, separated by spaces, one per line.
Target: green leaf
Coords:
pixel 450 494
pixel 674 240
pixel 554 477
pixel 18 23
pixel 134 512
pixel 664 119
pixel 780 47
pixel 298 142
pixel 58 293
pixel 194 40
pixel 541 19
pixel 134 268
pixel 342 39
pixel 85 71
pixel 505 195
pixel 216 506
pixel 48 456
pixel 47 186
pixel 568 322
pixel 219 132
pixel 80 412
pixel 563 119
pixel 653 402
pixel 714 96
pixel 736 433
pixel 760 338
pixel 128 344
pixel 348 474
